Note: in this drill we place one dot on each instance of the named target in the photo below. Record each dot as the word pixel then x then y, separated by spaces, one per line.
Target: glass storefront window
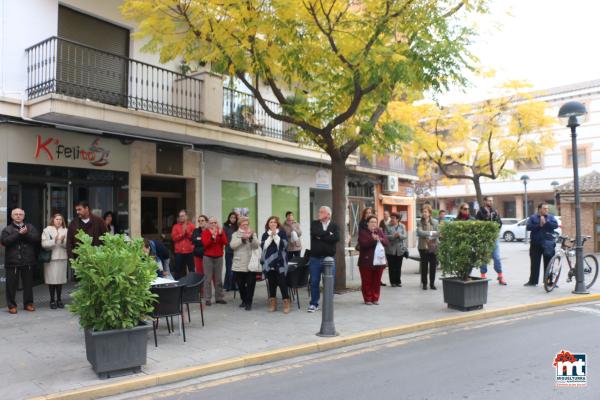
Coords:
pixel 284 199
pixel 241 197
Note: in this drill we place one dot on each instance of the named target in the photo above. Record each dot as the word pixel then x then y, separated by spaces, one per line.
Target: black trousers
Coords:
pixel 536 252
pixel 395 269
pixel 428 262
pixel 246 282
pixel 276 279
pixel 12 284
pixel 184 263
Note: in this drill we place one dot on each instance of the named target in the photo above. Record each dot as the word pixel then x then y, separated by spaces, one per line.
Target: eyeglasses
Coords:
pixel 465 209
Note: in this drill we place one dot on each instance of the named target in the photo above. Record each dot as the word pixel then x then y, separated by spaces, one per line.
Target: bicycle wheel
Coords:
pixel 590 270
pixel 552 273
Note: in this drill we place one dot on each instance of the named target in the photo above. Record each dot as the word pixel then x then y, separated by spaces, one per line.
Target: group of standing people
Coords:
pixel 22 242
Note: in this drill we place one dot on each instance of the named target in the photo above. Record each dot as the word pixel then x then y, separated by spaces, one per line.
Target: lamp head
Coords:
pixel 572 113
pixel 554 184
pixel 524 178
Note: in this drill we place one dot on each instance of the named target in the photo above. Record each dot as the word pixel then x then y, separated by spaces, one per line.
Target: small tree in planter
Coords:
pixel 112 301
pixel 465 246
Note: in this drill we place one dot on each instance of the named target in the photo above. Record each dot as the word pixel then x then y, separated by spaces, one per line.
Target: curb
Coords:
pixel 162 378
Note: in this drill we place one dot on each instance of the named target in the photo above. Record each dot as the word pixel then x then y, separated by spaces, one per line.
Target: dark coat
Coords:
pixel 543 236
pixel 483 214
pixel 275 255
pixel 95 228
pixel 21 250
pixel 229 229
pixel 322 243
pixel 197 242
pixel 367 246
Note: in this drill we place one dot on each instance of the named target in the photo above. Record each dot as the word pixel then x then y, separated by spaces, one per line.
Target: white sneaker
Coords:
pixel 312 308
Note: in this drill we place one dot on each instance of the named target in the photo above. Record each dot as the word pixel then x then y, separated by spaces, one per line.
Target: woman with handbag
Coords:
pixel 54 243
pixel 428 234
pixel 371 261
pixel 274 246
pixel 244 244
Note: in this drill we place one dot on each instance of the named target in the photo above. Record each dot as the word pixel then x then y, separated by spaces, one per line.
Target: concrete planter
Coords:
pixel 117 351
pixel 465 296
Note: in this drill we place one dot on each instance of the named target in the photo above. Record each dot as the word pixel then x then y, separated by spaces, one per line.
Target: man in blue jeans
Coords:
pixel 489 213
pixel 324 235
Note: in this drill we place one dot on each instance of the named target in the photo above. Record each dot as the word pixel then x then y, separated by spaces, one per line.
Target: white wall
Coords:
pixel 22 24
pixel 264 173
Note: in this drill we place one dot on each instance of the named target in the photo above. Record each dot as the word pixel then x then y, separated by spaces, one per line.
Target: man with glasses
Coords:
pixel 489 213
pixel 21 240
pixel 182 234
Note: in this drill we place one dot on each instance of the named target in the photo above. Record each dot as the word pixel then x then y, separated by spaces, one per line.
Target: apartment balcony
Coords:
pixel 387 165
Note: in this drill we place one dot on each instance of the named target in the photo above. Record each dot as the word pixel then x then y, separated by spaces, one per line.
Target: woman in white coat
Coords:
pixel 243 242
pixel 54 239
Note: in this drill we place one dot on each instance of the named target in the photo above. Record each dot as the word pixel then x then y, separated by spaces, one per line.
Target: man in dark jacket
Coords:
pixel 89 223
pixel 543 243
pixel 489 213
pixel 21 241
pixel 324 235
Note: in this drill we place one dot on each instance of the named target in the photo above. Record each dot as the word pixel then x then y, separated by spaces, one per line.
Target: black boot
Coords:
pixel 59 302
pixel 424 286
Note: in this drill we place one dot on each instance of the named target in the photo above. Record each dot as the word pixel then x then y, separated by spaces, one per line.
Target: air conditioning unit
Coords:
pixel 390 184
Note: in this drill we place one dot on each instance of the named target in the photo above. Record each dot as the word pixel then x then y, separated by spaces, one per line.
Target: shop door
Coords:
pixel 159 214
pixel 57 201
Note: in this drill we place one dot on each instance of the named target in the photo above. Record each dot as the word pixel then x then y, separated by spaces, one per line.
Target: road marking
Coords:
pixel 586 310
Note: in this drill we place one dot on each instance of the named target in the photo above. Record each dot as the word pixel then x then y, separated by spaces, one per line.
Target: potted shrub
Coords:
pixel 112 301
pixel 466 245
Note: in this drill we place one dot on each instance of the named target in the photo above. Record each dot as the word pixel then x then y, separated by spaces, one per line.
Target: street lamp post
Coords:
pixel 555 185
pixel 573 112
pixel 525 178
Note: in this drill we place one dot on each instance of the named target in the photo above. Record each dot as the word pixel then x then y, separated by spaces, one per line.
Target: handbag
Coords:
pixel 379 258
pixel 432 245
pixel 45 256
pixel 255 264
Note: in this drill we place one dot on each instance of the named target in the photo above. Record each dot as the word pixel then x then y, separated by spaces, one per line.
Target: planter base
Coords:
pixel 465 296
pixel 117 352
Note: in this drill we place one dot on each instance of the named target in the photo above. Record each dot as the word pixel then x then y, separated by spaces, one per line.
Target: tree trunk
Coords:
pixel 339 207
pixel 477 185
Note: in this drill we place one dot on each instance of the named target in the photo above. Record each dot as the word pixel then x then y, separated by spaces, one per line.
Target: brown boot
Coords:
pixel 272 304
pixel 286 306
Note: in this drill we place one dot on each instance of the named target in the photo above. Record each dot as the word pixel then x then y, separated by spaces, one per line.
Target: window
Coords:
pixel 284 199
pixel 584 156
pixel 525 164
pixel 510 209
pixel 240 197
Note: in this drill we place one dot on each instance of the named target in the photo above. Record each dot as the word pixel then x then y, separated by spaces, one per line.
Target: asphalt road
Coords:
pixel 509 358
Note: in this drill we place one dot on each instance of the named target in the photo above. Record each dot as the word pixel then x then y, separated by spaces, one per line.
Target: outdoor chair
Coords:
pixel 169 305
pixel 192 285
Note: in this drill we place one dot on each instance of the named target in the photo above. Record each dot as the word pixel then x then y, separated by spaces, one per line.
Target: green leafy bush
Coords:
pixel 466 245
pixel 114 283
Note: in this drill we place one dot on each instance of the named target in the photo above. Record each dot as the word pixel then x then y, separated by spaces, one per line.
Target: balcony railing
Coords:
pixel 242 111
pixel 387 163
pixel 65 67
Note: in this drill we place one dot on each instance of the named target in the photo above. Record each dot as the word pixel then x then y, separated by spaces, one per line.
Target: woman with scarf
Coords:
pixel 274 247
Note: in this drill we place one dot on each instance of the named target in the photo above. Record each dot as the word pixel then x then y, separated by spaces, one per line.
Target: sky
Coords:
pixel 547 43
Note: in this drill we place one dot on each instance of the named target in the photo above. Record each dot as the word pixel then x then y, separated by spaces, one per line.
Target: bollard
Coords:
pixel 327 325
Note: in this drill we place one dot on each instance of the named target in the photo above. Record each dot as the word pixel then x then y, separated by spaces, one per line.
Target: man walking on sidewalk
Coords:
pixel 489 213
pixel 324 235
pixel 20 240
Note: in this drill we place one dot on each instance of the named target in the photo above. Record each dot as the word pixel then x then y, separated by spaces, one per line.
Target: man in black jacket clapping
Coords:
pixel 324 235
pixel 21 240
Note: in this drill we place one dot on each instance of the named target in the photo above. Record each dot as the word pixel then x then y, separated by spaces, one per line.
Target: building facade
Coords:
pixel 553 167
pixel 86 115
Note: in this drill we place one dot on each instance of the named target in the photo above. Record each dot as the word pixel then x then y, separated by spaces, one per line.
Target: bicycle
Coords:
pixel 567 252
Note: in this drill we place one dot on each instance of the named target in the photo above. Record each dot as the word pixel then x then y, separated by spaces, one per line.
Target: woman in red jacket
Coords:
pixel 370 274
pixel 214 240
pixel 181 234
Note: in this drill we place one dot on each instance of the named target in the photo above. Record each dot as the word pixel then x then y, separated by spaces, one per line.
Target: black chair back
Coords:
pixel 191 287
pixel 297 272
pixel 169 300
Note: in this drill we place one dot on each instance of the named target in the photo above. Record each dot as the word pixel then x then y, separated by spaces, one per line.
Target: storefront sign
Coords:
pixel 55 147
pixel 323 179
